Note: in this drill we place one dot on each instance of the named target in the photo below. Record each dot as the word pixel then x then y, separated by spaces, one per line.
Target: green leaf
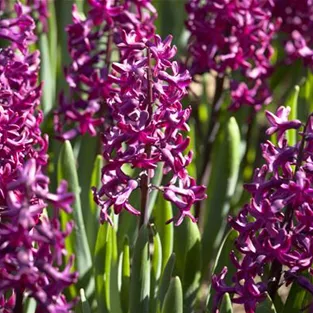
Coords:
pixel 31 305
pixel 187 247
pixel 155 181
pixel 87 147
pixel 155 270
pixel 63 11
pixel 173 302
pixel 166 278
pixel 84 302
pixel 222 260
pixel 162 214
pixel 226 306
pixel 222 184
pixel 292 102
pixel 128 223
pixel 140 274
pixel 295 299
pixel 102 266
pixel 47 75
pixel 67 171
pixel 52 35
pixel 267 306
pixel 80 5
pixel 114 289
pixel 92 218
pixel 308 93
pixel 125 277
pixel 171 18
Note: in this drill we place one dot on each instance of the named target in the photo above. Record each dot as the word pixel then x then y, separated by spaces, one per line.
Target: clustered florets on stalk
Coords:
pixel 233 36
pixel 31 244
pixel 296 28
pixel 36 9
pixel 236 38
pixel 148 119
pixel 276 226
pixel 92 46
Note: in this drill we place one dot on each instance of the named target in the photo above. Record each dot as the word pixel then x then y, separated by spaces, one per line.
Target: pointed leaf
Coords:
pixel 292 102
pixel 166 278
pixel 87 162
pixel 223 179
pixel 124 294
pixel 67 171
pixel 155 181
pixel 173 302
pixel 155 270
pixel 102 265
pixel 223 259
pixel 31 305
pixel 140 274
pixel 267 306
pixel 92 218
pixel 114 289
pixel 46 75
pixel 84 302
pixel 187 247
pixel 162 214
pixel 226 306
pixel 295 300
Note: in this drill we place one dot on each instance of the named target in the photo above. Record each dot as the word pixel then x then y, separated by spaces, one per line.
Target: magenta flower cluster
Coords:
pixel 276 226
pixel 32 247
pixel 236 38
pixel 36 9
pixel 93 44
pixel 228 36
pixel 296 28
pixel 148 119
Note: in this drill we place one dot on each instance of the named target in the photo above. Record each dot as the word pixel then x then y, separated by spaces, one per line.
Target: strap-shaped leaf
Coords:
pixel 124 294
pixel 84 302
pixel 102 266
pixel 114 289
pixel 31 305
pixel 223 179
pixel 140 274
pixel 87 160
pixel 296 299
pixel 162 214
pixel 46 75
pixel 267 306
pixel 223 259
pixel 67 171
pixel 166 278
pixel 173 302
pixel 92 218
pixel 155 181
pixel 226 306
pixel 156 267
pixel 292 102
pixel 187 247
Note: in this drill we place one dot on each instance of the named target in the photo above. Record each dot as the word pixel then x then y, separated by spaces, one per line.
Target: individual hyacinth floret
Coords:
pixel 148 119
pixel 92 41
pixel 276 226
pixel 32 247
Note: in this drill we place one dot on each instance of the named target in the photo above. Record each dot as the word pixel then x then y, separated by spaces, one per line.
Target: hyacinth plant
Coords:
pixel 151 121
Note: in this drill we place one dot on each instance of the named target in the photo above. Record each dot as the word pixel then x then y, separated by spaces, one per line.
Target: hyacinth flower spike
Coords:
pixel 147 120
pixel 275 227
